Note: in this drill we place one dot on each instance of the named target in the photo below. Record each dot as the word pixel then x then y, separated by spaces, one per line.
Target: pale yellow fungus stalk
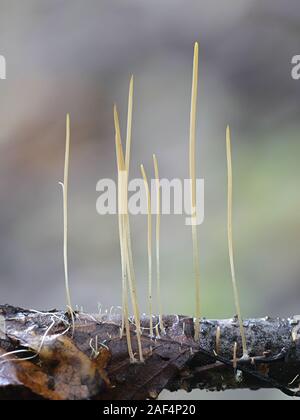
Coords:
pixel 124 200
pixel 149 248
pixel 122 237
pixel 218 340
pixel 157 242
pixel 235 360
pixel 192 158
pixel 125 310
pixel 65 186
pixel 230 242
pixel 125 236
pixel 129 125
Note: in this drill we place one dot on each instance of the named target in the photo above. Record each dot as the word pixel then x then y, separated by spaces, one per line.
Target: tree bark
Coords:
pixel 89 360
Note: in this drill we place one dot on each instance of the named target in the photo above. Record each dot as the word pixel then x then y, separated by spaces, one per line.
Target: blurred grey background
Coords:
pixel 77 56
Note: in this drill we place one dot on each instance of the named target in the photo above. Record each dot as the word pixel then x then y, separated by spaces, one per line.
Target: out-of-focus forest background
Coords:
pixel 77 56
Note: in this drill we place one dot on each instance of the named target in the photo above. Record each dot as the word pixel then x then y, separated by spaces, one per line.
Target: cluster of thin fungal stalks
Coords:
pixel 128 274
pixel 129 288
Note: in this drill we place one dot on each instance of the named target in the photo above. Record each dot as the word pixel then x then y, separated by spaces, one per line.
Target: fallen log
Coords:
pixel 44 356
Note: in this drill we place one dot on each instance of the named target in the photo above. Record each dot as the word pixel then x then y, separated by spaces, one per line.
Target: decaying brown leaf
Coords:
pixel 60 371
